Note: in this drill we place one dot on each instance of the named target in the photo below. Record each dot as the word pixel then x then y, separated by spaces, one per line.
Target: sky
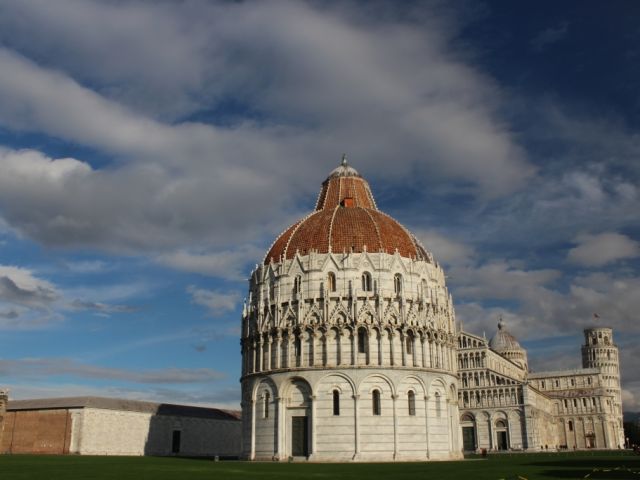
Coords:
pixel 150 152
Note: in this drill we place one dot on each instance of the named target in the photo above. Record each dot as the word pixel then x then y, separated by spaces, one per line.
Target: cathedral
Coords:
pixel 351 352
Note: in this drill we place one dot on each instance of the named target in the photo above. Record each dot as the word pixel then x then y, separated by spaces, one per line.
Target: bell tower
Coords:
pixel 599 351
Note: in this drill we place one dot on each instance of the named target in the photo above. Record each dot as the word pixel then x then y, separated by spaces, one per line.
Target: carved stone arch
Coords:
pixel 297 391
pixel 313 316
pixel 264 383
pixel 289 318
pixel 378 376
pixel 391 314
pixel 342 376
pixel 367 314
pixel 339 315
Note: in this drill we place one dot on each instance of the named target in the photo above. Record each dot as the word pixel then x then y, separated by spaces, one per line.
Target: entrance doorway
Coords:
pixel 468 439
pixel 175 442
pixel 299 437
pixel 502 437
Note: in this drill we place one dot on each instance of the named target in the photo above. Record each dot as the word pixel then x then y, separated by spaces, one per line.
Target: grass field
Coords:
pixel 592 465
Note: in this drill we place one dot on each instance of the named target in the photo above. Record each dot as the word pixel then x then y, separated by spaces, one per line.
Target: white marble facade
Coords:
pixel 503 406
pixel 349 357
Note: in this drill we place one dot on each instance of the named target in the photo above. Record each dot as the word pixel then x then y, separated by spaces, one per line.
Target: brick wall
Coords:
pixel 37 431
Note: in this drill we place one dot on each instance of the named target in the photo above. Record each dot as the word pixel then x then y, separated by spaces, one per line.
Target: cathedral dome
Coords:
pixel 346 219
pixel 503 340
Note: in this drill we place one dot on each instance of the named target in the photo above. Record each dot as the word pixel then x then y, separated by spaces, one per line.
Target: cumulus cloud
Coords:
pixel 228 264
pixel 18 286
pixel 217 302
pixel 46 367
pixel 383 86
pixel 33 302
pixel 603 248
pixel 445 249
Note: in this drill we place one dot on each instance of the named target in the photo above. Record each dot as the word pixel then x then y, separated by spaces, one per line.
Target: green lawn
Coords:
pixel 617 465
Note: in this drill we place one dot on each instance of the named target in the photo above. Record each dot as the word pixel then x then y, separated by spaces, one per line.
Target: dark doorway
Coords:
pixel 299 437
pixel 502 440
pixel 468 439
pixel 175 442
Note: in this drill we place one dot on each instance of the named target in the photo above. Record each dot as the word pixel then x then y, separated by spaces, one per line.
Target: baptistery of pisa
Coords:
pixel 351 352
pixel 349 340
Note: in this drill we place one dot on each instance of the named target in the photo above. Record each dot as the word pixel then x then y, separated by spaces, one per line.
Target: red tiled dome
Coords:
pixel 346 219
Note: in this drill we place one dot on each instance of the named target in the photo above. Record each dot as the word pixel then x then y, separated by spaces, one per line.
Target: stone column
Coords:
pixel 426 423
pixel 424 352
pixel 278 349
pixel 259 355
pixel 267 365
pixel 392 335
pixel 356 427
pixel 313 425
pixel 252 452
pixel 281 425
pixel 403 348
pixel 395 426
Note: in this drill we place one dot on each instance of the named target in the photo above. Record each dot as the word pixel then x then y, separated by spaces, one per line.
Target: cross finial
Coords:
pixel 500 323
pixel 344 160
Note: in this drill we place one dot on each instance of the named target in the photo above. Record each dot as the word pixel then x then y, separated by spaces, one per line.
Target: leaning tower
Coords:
pixel 600 352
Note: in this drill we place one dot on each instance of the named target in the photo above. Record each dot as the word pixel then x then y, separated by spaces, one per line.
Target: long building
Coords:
pixel 504 406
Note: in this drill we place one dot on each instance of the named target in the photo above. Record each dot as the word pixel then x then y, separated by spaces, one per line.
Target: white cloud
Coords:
pixel 603 248
pixel 217 302
pixel 228 264
pixel 445 249
pixel 388 89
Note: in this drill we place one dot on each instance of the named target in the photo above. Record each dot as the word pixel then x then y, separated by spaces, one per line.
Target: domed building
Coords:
pixel 349 340
pixel 506 345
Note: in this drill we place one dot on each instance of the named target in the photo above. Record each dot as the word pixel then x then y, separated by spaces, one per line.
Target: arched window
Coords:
pixel 570 426
pixel 362 340
pixel 297 284
pixel 297 345
pixel 397 284
pixel 331 281
pixel 411 398
pixel 336 402
pixel 366 282
pixel 409 342
pixel 265 406
pixel 438 405
pixel 376 402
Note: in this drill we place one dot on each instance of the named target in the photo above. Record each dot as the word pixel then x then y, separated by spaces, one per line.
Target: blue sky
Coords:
pixel 150 152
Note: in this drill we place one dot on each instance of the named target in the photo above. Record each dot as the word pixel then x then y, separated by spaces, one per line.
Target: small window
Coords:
pixel 297 284
pixel 265 405
pixel 397 284
pixel 573 382
pixel 557 383
pixel 336 402
pixel 570 426
pixel 297 345
pixel 584 402
pixel 409 345
pixel 589 380
pixel 366 282
pixel 438 405
pixel 411 397
pixel 362 340
pixel 331 281
pixel 376 402
pixel 542 383
pixel 575 403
